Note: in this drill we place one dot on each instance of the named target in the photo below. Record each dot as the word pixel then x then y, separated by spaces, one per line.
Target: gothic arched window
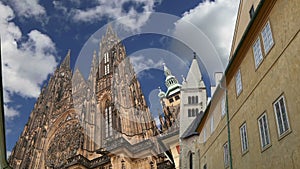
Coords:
pixel 106 63
pixel 108 119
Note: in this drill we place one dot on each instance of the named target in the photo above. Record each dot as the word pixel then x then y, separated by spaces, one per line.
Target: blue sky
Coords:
pixel 36 35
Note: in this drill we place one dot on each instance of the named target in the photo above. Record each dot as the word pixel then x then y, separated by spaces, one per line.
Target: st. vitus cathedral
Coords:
pixel 102 122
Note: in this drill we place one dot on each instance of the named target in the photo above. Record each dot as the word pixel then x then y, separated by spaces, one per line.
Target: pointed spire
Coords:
pixel 109 30
pixel 194 76
pixel 78 74
pixel 183 79
pixel 94 61
pixel 161 94
pixel 166 70
pixel 66 62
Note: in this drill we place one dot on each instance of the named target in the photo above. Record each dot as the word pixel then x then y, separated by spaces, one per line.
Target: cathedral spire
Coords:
pixel 93 71
pixel 109 30
pixel 94 61
pixel 66 62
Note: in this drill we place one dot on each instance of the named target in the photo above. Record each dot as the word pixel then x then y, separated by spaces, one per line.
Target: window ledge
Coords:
pixel 266 147
pixel 284 134
pixel 245 152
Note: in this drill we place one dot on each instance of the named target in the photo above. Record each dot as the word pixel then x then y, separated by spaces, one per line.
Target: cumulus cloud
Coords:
pixel 216 20
pixel 27 60
pixel 134 14
pixel 141 63
pixel 28 8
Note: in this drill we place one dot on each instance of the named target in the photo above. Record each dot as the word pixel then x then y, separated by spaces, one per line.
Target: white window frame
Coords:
pixel 212 124
pixel 267 37
pixel 226 154
pixel 280 120
pixel 257 53
pixel 264 132
pixel 223 105
pixel 244 138
pixel 238 82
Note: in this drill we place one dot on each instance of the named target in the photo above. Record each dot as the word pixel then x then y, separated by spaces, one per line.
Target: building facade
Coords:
pixel 255 108
pixel 102 122
pixel 182 105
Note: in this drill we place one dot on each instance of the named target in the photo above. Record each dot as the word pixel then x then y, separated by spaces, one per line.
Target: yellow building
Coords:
pixel 261 87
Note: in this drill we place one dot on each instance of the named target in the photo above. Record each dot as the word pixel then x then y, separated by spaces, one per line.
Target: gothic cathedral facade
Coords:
pixel 102 122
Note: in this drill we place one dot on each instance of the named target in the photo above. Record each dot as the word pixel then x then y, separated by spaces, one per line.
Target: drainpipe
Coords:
pixel 228 131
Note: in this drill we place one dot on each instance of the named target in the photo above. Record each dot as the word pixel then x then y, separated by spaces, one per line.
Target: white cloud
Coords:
pixel 141 63
pixel 216 20
pixel 28 8
pixel 8 153
pixel 132 18
pixel 27 60
pixel 10 112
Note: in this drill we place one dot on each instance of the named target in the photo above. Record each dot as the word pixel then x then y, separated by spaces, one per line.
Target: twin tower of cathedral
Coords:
pixel 104 122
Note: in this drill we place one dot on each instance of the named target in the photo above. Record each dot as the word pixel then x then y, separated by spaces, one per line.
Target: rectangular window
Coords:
pixel 267 37
pixel 226 154
pixel 238 82
pixel 223 105
pixel 281 116
pixel 264 130
pixel 189 112
pixel 258 57
pixel 193 113
pixel 244 138
pixel 211 124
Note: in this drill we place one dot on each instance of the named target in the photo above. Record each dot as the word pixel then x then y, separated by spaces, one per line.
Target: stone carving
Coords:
pixel 65 144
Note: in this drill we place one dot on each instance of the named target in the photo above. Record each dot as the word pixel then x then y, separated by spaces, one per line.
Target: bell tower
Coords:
pixel 193 96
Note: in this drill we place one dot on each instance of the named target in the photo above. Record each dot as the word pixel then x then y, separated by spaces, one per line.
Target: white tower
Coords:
pixel 193 96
